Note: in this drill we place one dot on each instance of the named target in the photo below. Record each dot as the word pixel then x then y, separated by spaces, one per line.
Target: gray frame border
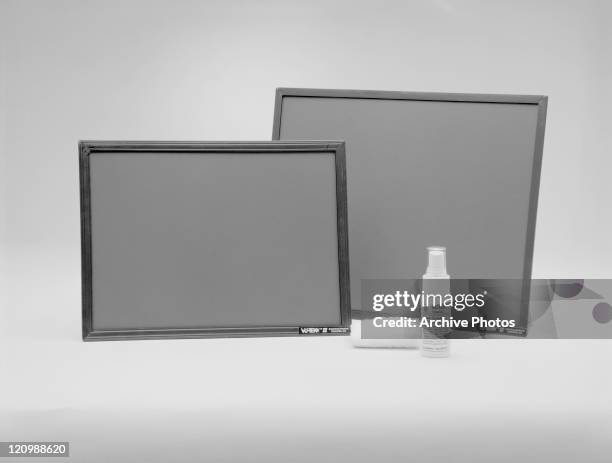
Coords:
pixel 540 101
pixel 336 148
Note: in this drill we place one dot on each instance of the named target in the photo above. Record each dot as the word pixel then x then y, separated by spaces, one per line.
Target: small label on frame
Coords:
pixel 323 330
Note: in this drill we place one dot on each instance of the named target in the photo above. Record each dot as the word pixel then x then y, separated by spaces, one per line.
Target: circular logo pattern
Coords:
pixel 567 288
pixel 602 312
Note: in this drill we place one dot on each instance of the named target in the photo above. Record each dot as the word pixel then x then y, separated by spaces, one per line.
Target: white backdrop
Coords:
pixel 207 70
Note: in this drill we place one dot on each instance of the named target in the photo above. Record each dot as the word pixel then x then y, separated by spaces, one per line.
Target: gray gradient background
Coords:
pixel 208 70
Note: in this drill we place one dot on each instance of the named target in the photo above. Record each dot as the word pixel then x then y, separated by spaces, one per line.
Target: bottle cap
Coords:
pixel 436 264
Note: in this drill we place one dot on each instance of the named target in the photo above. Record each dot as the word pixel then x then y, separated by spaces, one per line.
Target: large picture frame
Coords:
pixel 115 161
pixel 389 133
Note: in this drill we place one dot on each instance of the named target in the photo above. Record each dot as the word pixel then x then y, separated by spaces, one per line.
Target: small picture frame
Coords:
pixel 213 239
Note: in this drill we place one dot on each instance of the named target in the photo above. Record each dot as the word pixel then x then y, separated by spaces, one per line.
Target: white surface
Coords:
pixel 312 400
pixel 73 70
pixel 291 399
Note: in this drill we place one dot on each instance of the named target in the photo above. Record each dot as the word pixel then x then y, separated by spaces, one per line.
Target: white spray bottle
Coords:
pixel 435 282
